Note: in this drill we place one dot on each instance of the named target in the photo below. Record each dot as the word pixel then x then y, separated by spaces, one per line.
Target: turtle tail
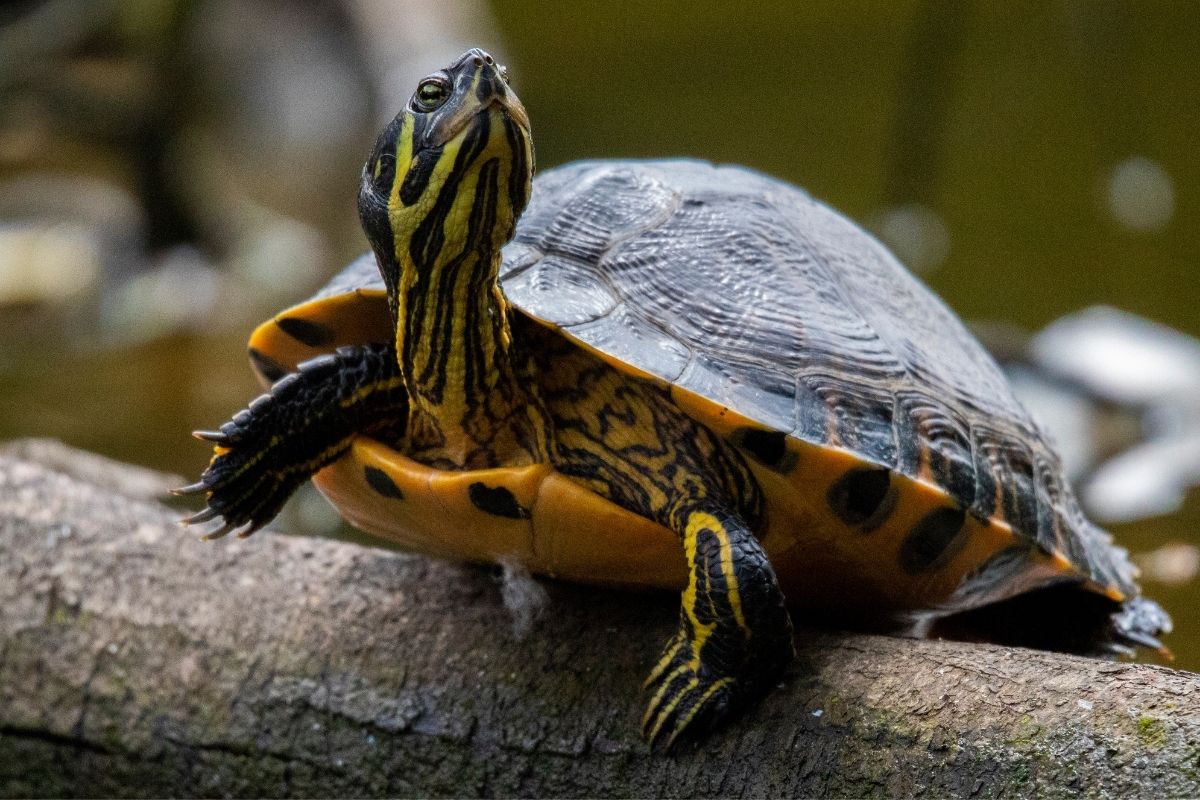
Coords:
pixel 304 423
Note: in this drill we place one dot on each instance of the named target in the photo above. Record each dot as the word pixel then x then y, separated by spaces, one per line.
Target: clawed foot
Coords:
pixel 685 696
pixel 266 451
pixel 247 481
pixel 307 421
pixel 707 674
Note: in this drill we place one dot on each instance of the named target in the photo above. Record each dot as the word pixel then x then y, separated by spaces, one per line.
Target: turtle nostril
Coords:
pixel 488 59
pixel 478 61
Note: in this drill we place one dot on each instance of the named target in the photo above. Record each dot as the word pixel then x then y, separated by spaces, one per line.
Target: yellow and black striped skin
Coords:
pixel 527 437
pixel 439 198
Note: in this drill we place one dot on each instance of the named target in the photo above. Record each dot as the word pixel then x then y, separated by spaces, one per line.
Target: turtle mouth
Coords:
pixel 513 110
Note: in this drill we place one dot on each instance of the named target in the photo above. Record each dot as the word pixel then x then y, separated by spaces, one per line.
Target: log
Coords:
pixel 136 660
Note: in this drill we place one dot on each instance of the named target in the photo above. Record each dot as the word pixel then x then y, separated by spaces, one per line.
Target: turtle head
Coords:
pixel 451 173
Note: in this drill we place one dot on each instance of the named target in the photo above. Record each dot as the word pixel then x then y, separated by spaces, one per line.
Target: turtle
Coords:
pixel 666 374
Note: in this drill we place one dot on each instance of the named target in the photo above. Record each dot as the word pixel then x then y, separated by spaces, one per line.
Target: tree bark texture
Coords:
pixel 138 661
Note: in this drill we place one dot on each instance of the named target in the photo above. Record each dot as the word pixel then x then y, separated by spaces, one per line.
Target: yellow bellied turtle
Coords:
pixel 668 356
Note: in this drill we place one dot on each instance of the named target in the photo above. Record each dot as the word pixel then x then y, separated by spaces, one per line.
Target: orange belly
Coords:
pixel 530 515
pixel 543 520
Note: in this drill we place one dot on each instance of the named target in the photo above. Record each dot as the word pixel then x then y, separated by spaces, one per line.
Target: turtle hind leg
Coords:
pixel 1139 623
pixel 304 423
pixel 734 639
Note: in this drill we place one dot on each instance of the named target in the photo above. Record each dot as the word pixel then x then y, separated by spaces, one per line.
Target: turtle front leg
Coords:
pixel 305 422
pixel 735 636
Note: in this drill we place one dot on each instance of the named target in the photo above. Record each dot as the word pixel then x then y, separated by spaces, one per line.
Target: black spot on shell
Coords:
pixel 863 497
pixel 932 541
pixel 496 500
pixel 382 483
pixel 767 447
pixel 313 334
pixel 266 366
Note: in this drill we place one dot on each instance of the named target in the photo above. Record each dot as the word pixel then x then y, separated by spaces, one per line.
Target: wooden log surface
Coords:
pixel 138 661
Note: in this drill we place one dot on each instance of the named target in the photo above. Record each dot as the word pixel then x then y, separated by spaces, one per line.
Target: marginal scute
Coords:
pixel 756 397
pixel 382 483
pixel 630 337
pixel 933 540
pixel 767 447
pixel 360 275
pixel 863 497
pixel 1010 461
pixel 936 436
pixel 307 332
pixel 267 367
pixel 496 500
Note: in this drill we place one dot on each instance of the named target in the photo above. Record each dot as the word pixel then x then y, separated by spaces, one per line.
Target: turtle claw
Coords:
pixel 243 490
pixel 220 532
pixel 1145 640
pixel 251 529
pixel 307 421
pixel 204 515
pixel 229 523
pixel 198 487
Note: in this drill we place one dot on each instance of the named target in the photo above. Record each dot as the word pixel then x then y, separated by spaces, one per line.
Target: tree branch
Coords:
pixel 136 660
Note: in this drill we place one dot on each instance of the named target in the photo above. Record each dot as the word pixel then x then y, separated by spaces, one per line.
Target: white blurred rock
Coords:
pixel 1150 480
pixel 1103 367
pixel 64 238
pixel 1121 355
pixel 1173 564
pixel 48 263
pixel 916 234
pixel 1141 195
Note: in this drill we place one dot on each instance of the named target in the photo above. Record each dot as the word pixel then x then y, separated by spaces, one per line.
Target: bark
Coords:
pixel 138 661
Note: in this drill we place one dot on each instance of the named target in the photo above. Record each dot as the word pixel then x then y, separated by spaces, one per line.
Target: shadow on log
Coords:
pixel 135 660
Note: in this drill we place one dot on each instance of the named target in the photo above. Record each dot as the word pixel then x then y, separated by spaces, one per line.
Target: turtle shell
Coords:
pixel 784 326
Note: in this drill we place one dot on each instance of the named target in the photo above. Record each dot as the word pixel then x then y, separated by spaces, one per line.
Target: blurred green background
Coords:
pixel 173 172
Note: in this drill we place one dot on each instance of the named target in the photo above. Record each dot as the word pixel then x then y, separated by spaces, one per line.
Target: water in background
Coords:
pixel 172 172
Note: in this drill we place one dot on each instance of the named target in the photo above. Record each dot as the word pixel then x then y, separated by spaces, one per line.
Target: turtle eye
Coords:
pixel 504 74
pixel 431 93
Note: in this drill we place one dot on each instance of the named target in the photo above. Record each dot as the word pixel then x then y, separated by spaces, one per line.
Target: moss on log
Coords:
pixel 138 661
